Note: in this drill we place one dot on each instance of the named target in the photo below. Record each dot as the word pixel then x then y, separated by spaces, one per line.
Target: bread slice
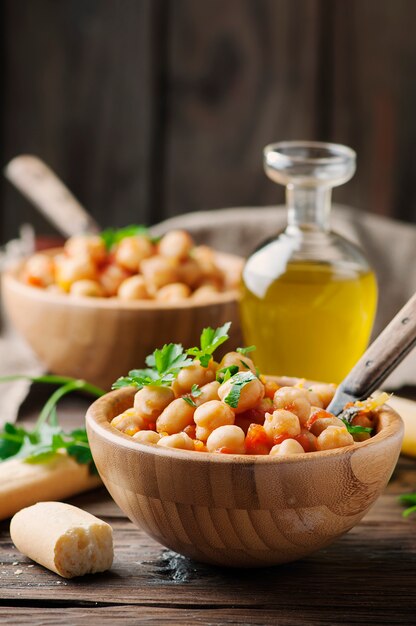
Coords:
pixel 63 538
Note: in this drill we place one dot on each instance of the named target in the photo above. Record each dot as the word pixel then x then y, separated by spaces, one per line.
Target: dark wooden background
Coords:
pixel 150 108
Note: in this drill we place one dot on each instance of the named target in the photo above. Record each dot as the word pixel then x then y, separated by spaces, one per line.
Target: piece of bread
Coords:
pixel 23 484
pixel 63 538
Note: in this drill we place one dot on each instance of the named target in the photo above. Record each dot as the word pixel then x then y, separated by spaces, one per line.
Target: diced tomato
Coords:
pixel 304 441
pixel 270 388
pixel 224 450
pixel 279 438
pixel 316 415
pixel 257 441
pixel 151 426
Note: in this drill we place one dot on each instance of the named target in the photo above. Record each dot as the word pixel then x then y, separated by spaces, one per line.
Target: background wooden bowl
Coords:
pixel 246 511
pixel 100 339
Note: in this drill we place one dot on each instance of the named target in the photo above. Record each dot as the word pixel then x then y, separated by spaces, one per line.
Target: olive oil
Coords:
pixel 313 321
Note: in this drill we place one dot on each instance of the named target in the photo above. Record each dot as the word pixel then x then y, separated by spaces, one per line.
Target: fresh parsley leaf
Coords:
pixel 225 373
pixel 247 350
pixel 11 440
pixel 189 400
pixel 195 391
pixel 355 430
pixel 210 340
pixel 408 498
pixel 238 381
pixel 112 236
pixel 163 367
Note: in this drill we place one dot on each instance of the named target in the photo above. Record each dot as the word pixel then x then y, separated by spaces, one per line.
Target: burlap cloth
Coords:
pixel 390 247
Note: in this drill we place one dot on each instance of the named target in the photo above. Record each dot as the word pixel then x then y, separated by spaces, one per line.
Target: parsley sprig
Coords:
pixel 247 350
pixel 355 430
pixel 163 367
pixel 47 438
pixel 112 236
pixel 210 340
pixel 408 498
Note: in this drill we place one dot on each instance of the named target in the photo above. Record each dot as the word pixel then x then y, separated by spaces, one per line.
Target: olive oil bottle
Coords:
pixel 309 296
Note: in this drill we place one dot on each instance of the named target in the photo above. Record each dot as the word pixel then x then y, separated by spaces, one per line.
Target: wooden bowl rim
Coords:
pixel 96 418
pixel 12 283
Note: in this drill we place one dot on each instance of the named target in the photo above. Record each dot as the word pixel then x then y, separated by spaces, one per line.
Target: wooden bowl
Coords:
pixel 100 339
pixel 241 511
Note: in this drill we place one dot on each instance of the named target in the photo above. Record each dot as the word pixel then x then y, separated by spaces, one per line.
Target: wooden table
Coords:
pixel 366 577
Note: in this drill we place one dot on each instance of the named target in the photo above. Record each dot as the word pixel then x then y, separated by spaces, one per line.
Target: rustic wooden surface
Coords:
pixel 366 577
pixel 151 108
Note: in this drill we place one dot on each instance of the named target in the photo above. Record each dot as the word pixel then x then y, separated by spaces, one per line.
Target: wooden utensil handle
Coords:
pixel 45 190
pixel 384 354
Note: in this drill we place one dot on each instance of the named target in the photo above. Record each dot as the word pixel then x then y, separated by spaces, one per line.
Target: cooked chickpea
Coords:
pixel 334 437
pixel 146 436
pixel 133 288
pixel 211 415
pixel 176 244
pixel 86 288
pixel 293 400
pixel 89 246
pixel 243 363
pixel 286 448
pixel 129 422
pixel 205 292
pixel 131 251
pixel 250 394
pixel 230 438
pixel 111 277
pixel 40 270
pixel 181 441
pixel 158 271
pixel 150 401
pixel 323 422
pixel 175 417
pixel 208 392
pixel 281 422
pixel 325 392
pixel 70 269
pixel 307 440
pixel 190 273
pixel 194 374
pixel 173 292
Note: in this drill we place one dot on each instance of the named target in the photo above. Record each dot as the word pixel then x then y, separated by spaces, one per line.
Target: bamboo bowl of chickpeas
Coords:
pixel 232 468
pixel 97 306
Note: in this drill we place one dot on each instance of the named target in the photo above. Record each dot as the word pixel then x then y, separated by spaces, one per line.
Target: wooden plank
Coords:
pixel 241 74
pixel 371 59
pixel 78 89
pixel 366 576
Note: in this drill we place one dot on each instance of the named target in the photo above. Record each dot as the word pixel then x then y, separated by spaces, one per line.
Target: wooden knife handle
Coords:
pixel 48 193
pixel 384 354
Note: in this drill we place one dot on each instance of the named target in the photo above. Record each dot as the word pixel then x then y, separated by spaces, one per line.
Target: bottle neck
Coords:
pixel 308 207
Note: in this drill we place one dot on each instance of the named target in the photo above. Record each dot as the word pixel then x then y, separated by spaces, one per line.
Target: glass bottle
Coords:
pixel 309 295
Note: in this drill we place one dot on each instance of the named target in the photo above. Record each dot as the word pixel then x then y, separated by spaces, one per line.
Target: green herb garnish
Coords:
pixel 194 393
pixel 226 373
pixel 408 498
pixel 47 439
pixel 238 381
pixel 355 430
pixel 163 367
pixel 112 236
pixel 210 340
pixel 245 351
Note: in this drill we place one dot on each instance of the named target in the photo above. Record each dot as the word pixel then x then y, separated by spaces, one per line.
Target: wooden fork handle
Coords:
pixel 47 192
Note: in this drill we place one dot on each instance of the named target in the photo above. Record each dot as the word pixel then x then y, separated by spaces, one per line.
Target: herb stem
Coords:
pixel 62 391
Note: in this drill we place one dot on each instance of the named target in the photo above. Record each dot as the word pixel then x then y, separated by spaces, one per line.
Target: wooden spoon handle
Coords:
pixel 384 354
pixel 48 193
